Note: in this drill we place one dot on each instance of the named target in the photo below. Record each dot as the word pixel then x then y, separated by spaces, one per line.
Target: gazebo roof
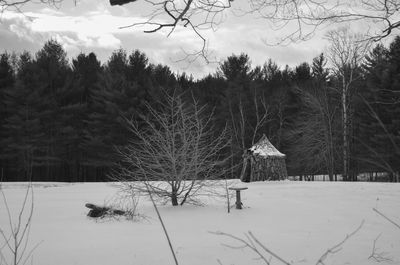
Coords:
pixel 264 148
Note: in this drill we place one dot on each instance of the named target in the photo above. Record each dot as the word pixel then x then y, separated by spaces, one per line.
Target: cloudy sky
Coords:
pixel 95 25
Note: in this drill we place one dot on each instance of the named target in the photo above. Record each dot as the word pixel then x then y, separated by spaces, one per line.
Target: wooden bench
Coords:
pixel 238 200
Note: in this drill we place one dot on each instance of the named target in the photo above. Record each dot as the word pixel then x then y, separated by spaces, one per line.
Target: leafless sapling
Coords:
pixel 14 238
pixel 174 152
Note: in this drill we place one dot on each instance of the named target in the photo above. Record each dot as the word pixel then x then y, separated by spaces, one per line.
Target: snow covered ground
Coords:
pixel 298 221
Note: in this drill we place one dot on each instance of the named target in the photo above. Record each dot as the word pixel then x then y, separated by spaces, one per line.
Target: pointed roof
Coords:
pixel 264 148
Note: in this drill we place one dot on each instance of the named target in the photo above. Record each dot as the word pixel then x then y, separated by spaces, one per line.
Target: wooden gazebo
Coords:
pixel 263 162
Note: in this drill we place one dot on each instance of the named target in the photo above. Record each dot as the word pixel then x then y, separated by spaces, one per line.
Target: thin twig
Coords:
pixel 378 256
pixel 163 226
pixel 387 218
pixel 336 248
pixel 267 250
pixel 253 244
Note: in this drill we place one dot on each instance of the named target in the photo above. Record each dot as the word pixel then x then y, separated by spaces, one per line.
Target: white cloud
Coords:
pixel 21 31
pixel 108 41
pixel 97 29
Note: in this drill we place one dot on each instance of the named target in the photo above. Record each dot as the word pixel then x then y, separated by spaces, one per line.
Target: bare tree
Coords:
pixel 346 53
pixel 240 125
pixel 261 118
pixel 174 151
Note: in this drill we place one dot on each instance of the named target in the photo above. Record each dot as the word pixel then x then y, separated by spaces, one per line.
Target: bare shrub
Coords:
pixel 14 239
pixel 124 205
pixel 174 153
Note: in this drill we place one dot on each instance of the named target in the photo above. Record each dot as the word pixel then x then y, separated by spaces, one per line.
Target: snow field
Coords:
pixel 298 221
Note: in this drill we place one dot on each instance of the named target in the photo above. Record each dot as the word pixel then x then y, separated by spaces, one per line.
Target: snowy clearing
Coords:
pixel 298 221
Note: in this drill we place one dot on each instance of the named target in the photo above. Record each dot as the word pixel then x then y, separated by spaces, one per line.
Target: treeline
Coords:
pixel 61 121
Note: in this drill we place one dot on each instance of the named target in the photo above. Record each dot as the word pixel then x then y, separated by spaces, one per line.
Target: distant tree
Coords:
pixel 313 134
pixel 162 76
pixel 138 63
pixel 236 67
pixel 104 123
pixel 75 99
pixel 237 72
pixel 381 100
pixel 346 53
pixel 236 103
pixel 53 72
pixel 25 141
pixel 209 92
pixel 368 140
pixel 7 79
pixel 302 72
pixel 86 70
pixel 121 91
pixel 53 64
pixel 393 96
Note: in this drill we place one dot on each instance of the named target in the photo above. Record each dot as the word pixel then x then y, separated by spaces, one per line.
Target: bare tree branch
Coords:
pixel 163 226
pixel 387 218
pixel 197 15
pixel 252 243
pixel 378 256
pixel 19 4
pixel 336 248
pixel 300 19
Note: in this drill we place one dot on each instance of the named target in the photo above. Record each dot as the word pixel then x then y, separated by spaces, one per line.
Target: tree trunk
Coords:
pixel 345 132
pixel 174 198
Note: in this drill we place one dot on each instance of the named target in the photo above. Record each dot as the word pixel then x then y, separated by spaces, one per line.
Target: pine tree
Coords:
pixel 393 110
pixel 25 141
pixel 117 96
pixel 381 100
pixel 7 79
pixel 75 98
pixel 52 71
pixel 313 130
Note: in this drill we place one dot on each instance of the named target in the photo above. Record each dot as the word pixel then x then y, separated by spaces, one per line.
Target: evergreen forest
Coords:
pixel 62 120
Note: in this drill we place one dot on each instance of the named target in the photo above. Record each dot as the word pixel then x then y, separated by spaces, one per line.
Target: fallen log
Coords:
pixel 100 211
